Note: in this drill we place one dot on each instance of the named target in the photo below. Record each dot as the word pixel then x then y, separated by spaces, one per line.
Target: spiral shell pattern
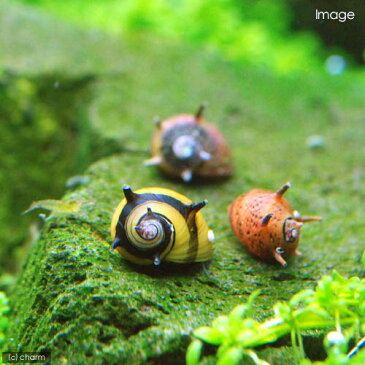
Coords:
pixel 155 224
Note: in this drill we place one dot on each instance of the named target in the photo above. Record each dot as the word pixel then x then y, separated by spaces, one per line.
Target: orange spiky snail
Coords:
pixel 186 145
pixel 152 225
pixel 266 224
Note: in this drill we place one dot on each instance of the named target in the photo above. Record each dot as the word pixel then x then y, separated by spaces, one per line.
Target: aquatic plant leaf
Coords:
pixel 221 323
pixel 210 335
pixel 59 208
pixel 194 352
pixel 232 356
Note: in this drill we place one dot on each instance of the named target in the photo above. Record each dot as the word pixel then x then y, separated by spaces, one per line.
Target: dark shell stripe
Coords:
pixel 193 242
pixel 142 198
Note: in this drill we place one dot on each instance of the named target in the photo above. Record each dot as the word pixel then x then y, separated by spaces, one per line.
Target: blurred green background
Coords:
pixel 49 131
pixel 281 36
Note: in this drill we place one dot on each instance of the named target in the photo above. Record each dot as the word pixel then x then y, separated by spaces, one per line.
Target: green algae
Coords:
pixel 83 302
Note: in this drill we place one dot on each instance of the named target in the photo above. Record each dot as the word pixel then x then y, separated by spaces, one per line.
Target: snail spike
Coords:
pixel 157 122
pixel 149 212
pixel 117 242
pixel 197 206
pixel 283 189
pixel 200 111
pixel 265 221
pixel 128 193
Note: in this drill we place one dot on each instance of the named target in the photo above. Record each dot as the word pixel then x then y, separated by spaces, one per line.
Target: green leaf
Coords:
pixel 221 324
pixel 231 357
pixel 304 296
pixel 59 208
pixel 313 315
pixel 209 335
pixel 194 352
pixel 283 311
pixel 238 313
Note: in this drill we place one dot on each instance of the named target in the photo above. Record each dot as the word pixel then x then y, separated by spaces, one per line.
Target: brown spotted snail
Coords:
pixel 267 225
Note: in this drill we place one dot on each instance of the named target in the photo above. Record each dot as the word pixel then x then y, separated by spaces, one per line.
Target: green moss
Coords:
pixel 79 299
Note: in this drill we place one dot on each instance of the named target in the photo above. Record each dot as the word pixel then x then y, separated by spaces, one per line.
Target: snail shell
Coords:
pixel 156 224
pixel 187 145
pixel 266 224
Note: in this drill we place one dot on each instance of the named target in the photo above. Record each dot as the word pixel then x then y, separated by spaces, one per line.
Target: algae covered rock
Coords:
pixel 81 301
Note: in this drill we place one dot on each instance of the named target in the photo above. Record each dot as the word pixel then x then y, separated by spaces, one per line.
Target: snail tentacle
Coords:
pixel 280 259
pixel 154 161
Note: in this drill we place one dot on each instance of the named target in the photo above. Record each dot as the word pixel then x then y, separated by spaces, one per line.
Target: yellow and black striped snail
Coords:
pixel 186 145
pixel 152 225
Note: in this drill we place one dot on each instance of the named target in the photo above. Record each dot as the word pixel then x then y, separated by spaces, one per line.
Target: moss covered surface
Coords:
pixel 80 300
pixel 85 303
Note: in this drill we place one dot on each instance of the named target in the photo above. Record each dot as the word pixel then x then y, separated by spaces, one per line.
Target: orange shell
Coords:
pixel 246 214
pixel 220 163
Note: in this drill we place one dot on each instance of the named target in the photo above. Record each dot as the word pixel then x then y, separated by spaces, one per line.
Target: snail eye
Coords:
pixel 280 250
